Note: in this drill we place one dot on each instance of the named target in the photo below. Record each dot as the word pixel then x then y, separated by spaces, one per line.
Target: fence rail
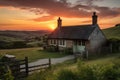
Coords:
pixel 21 68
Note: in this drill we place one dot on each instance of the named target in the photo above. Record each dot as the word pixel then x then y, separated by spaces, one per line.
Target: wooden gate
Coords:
pixel 21 69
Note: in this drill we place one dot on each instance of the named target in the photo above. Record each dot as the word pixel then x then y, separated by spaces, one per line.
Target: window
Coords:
pixel 61 42
pixel 51 41
pixel 75 42
pixel 54 41
pixel 81 43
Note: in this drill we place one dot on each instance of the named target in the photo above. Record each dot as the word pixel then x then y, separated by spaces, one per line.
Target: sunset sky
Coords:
pixel 43 14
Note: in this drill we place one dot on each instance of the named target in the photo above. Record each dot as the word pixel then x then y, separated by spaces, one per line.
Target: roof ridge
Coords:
pixel 77 25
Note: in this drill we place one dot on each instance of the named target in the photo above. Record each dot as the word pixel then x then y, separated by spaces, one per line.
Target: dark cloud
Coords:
pixel 61 8
pixel 87 2
pixel 108 12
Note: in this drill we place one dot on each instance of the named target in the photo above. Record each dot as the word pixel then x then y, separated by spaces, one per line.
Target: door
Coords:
pixel 79 47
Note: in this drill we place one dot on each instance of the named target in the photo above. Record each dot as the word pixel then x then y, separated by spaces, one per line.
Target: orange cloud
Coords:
pixel 44 18
pixel 62 8
pixel 76 14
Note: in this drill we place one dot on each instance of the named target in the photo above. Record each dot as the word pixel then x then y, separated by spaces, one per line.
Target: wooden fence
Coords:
pixel 21 69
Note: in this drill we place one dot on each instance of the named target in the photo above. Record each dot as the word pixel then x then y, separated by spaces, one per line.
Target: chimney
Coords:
pixel 59 22
pixel 94 18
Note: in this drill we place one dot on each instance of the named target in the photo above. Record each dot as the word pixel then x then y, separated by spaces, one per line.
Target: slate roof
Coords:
pixel 72 32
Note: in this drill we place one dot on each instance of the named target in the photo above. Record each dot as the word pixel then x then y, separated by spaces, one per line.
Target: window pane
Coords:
pixel 60 42
pixel 63 42
pixel 54 41
pixel 51 41
pixel 83 42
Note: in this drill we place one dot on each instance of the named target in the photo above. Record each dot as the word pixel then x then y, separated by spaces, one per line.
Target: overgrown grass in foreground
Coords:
pixel 107 68
pixel 32 53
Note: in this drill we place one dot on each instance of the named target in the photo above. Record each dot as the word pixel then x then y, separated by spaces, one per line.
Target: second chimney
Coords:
pixel 59 22
pixel 94 18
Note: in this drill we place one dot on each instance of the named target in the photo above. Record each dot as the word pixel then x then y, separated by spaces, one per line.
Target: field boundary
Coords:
pixel 21 68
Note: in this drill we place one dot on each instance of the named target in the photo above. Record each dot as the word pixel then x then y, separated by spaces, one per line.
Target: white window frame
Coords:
pixel 62 43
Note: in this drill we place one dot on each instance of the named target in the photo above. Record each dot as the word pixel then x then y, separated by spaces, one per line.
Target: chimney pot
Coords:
pixel 59 22
pixel 94 18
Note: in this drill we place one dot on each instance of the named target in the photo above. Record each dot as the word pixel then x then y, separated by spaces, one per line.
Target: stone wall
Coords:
pixel 96 40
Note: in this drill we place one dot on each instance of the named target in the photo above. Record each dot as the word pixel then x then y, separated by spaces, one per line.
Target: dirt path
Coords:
pixel 53 60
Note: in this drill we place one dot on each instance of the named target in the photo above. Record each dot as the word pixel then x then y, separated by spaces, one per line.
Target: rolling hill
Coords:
pixel 113 32
pixel 20 35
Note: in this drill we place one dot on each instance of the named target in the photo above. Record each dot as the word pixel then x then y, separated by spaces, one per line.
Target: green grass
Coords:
pixel 32 53
pixel 113 32
pixel 103 60
pixel 35 43
pixel 72 66
pixel 9 39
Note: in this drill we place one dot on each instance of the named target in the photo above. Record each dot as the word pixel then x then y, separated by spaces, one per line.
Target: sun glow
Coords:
pixel 52 26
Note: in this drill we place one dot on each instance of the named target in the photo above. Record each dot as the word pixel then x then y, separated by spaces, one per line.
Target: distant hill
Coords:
pixel 113 32
pixel 20 35
pixel 9 39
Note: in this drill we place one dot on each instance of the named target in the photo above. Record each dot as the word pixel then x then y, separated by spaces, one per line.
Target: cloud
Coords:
pixel 108 12
pixel 61 8
pixel 87 21
pixel 44 18
pixel 87 2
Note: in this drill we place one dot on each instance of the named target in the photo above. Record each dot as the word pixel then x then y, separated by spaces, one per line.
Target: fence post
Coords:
pixel 49 63
pixel 26 66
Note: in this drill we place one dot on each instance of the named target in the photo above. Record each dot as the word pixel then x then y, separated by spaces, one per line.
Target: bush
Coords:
pixel 68 51
pixel 85 72
pixel 5 72
pixel 19 44
pixel 67 75
pixel 51 48
pixel 37 76
pixel 99 72
pixel 12 45
pixel 5 45
pixel 42 75
pixel 110 74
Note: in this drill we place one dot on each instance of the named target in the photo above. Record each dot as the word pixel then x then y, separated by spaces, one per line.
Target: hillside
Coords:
pixel 113 32
pixel 20 35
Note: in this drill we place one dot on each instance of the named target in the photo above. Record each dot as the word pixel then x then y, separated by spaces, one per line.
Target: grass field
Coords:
pixel 113 32
pixel 72 66
pixel 32 53
pixel 103 60
pixel 9 39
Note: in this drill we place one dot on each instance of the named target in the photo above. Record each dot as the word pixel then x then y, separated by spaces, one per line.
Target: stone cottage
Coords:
pixel 79 38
